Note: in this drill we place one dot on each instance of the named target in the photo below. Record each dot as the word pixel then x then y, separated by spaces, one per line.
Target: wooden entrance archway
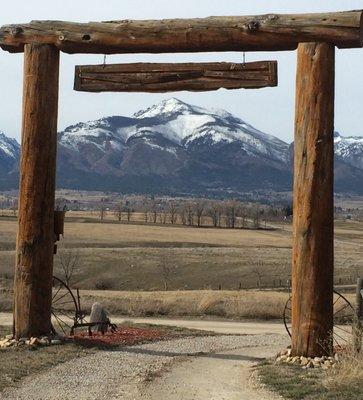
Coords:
pixel 315 36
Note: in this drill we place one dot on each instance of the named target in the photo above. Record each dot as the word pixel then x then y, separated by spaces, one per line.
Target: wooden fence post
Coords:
pixel 358 326
pixel 35 240
pixel 312 262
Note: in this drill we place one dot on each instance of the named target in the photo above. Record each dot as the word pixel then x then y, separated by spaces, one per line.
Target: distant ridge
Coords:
pixel 177 148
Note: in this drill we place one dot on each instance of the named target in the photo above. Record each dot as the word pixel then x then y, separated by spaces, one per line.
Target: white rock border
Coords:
pixel 324 362
pixel 9 341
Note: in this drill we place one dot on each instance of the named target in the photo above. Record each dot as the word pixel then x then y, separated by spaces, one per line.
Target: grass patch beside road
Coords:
pixel 18 362
pixel 295 383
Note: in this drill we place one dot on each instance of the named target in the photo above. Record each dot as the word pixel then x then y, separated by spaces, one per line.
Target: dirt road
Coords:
pixel 198 368
pixel 219 326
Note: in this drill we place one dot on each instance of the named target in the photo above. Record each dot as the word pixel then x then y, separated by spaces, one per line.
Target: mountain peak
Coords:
pixel 8 146
pixel 167 107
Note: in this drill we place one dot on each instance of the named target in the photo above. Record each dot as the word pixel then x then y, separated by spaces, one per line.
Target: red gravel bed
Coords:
pixel 123 336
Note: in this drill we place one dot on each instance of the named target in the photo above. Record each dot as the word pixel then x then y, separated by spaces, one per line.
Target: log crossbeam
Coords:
pixel 271 32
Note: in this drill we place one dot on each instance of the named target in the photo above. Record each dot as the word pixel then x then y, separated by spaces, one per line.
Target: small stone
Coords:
pixel 316 363
pixel 289 352
pixel 336 357
pixel 56 342
pixel 283 352
pixel 23 339
pixel 317 359
pixel 304 361
pixel 44 342
pixel 10 337
pixel 310 364
pixel 33 341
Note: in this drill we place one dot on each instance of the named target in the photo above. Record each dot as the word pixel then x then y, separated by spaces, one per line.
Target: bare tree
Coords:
pixel 118 211
pixel 166 272
pixel 128 211
pixel 259 272
pixel 256 213
pixel 146 209
pixel 173 213
pixel 189 209
pixel 162 217
pixel 154 211
pixel 214 211
pixel 231 212
pixel 69 265
pixel 183 214
pixel 199 208
pixel 102 210
pixel 243 213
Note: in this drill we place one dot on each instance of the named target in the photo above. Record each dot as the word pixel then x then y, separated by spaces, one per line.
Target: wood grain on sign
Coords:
pixel 270 32
pixel 162 77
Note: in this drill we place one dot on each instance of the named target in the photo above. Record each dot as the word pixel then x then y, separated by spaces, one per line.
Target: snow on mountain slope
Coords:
pixel 178 122
pixel 350 149
pixel 201 149
pixel 8 147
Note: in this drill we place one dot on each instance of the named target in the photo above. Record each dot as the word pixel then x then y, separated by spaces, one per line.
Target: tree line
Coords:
pixel 196 212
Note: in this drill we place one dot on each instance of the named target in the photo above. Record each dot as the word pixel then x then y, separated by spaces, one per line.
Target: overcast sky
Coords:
pixel 271 109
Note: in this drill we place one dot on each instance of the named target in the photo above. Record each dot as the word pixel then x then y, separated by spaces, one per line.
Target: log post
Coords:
pixel 312 261
pixel 35 239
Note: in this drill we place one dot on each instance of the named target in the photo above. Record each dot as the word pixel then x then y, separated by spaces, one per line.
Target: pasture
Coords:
pixel 123 256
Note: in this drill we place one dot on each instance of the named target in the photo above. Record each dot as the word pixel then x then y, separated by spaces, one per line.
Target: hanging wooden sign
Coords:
pixel 161 77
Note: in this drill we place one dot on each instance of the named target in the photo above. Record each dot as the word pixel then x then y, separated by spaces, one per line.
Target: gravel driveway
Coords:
pixel 145 371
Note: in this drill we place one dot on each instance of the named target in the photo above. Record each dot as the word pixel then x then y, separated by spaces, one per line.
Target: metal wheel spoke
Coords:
pixel 59 324
pixel 56 293
pixel 344 330
pixel 63 313
pixel 64 298
pixel 347 305
pixel 60 298
pixel 65 302
pixel 61 320
pixel 340 337
pixel 338 344
pixel 337 299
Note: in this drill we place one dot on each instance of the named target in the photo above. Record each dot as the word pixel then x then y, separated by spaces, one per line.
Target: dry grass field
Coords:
pixel 137 258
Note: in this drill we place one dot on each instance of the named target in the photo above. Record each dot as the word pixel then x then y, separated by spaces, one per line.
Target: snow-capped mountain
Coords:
pixel 9 161
pixel 175 147
pixel 179 123
pixel 349 149
pixel 192 146
pixel 9 152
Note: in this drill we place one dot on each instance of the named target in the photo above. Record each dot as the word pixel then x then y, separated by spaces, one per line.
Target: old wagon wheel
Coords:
pixel 344 316
pixel 64 307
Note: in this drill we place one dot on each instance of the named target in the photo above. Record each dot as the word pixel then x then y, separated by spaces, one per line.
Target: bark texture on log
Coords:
pixel 145 77
pixel 35 240
pixel 269 32
pixel 312 264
